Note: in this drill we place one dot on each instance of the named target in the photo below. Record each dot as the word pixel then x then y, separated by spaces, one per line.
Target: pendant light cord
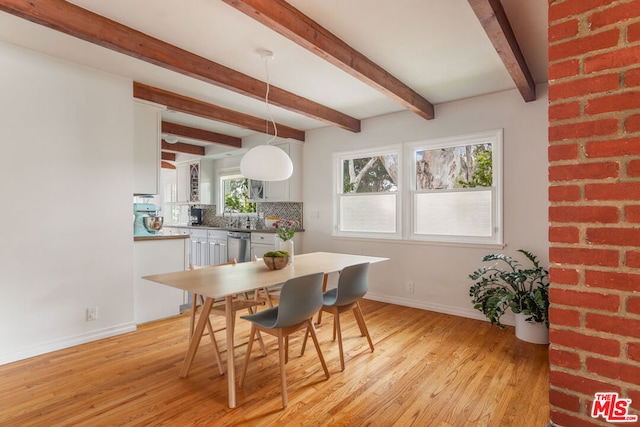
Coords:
pixel 266 100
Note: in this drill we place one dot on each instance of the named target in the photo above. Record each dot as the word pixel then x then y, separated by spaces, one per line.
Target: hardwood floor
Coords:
pixel 428 369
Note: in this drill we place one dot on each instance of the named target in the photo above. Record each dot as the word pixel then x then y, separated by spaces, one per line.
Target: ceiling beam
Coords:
pixel 199 108
pixel 171 157
pixel 181 147
pixel 285 19
pixel 494 20
pixel 166 165
pixel 70 19
pixel 201 134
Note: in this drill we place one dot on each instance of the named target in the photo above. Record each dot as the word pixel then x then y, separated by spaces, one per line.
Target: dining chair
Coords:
pixel 219 309
pixel 352 285
pixel 300 299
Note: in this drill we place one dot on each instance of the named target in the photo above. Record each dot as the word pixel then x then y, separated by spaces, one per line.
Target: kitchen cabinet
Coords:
pixel 146 148
pixel 289 190
pixel 262 243
pixel 217 247
pixel 198 248
pixel 196 182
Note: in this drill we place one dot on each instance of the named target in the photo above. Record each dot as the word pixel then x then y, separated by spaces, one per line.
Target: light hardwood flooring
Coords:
pixel 428 369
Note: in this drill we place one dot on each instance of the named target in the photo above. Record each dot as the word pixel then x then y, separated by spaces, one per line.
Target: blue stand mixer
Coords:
pixel 146 221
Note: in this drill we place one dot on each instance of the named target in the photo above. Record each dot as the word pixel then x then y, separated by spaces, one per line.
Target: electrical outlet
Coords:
pixel 410 287
pixel 92 313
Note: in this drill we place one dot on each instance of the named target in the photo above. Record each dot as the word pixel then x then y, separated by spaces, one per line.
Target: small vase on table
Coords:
pixel 287 245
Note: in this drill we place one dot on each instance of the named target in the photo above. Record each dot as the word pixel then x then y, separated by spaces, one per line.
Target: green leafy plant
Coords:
pixel 507 285
pixel 276 254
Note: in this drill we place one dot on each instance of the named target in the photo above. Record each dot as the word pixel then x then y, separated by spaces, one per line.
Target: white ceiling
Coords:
pixel 436 47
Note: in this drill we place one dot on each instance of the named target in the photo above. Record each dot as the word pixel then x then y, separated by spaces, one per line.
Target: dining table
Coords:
pixel 226 281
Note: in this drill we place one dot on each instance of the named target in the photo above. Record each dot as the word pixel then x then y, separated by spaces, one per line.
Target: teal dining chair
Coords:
pixel 353 284
pixel 300 299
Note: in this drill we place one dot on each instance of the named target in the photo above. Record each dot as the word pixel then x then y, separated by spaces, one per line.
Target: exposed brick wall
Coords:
pixel 594 214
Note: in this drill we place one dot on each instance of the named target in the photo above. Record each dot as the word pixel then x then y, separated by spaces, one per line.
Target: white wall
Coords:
pixel 439 272
pixel 66 215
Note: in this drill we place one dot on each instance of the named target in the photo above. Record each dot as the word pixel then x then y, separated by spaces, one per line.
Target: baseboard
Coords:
pixel 470 313
pixel 66 342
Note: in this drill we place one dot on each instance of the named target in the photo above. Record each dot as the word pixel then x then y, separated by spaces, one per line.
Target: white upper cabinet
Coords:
pixel 196 182
pixel 289 190
pixel 146 148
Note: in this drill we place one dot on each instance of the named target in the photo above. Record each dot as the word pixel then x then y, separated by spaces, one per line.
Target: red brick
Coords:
pixel 607 104
pixel 584 214
pixel 564 419
pixel 565 401
pixel 632 213
pixel 579 384
pixel 614 236
pixel 563 152
pixel 561 10
pixel 583 45
pixel 632 124
pixel 612 280
pixel 560 132
pixel 632 259
pixel 634 395
pixel 583 171
pixel 615 370
pixel 613 148
pixel 633 305
pixel 564 359
pixel 613 59
pixel 591 300
pixel 618 191
pixel 590 343
pixel 632 76
pixel 583 87
pixel 564 235
pixel 583 256
pixel 565 276
pixel 633 31
pixel 633 168
pixel 633 350
pixel 564 317
pixel 614 325
pixel 614 15
pixel 564 193
pixel 563 30
pixel 569 110
pixel 564 69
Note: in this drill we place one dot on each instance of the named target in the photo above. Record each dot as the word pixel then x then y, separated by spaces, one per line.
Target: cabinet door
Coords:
pixel 259 249
pixel 182 181
pixel 146 148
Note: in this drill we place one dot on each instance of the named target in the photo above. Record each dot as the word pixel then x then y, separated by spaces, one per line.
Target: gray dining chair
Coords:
pixel 353 284
pixel 300 299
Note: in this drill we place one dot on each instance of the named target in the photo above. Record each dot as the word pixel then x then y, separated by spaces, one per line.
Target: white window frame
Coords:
pixel 338 159
pixel 493 137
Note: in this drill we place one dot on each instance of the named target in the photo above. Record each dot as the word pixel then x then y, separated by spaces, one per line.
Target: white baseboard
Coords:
pixel 470 312
pixel 65 342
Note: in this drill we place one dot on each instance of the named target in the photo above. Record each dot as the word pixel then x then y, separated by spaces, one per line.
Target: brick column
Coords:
pixel 594 214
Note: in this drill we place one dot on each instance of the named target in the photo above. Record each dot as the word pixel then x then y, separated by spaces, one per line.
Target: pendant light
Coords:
pixel 267 162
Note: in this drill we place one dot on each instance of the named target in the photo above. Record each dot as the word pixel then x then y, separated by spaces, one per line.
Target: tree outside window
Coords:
pixel 236 194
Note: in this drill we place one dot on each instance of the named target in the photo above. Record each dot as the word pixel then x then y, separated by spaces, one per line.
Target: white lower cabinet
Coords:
pixel 217 243
pixel 261 243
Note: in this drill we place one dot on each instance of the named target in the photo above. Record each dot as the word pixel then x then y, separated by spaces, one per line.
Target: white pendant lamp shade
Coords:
pixel 266 163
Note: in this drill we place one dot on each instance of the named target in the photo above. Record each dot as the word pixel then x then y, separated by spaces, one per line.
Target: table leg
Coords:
pixel 231 368
pixel 196 337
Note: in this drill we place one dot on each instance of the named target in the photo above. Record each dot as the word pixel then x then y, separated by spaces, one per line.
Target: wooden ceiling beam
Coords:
pixel 285 19
pixel 199 108
pixel 71 19
pixel 201 134
pixel 181 147
pixel 171 157
pixel 494 20
pixel 167 165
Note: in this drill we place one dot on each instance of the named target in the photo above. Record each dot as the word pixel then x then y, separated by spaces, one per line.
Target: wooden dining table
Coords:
pixel 225 281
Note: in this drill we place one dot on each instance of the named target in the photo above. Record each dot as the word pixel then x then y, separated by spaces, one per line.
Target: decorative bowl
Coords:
pixel 153 224
pixel 275 263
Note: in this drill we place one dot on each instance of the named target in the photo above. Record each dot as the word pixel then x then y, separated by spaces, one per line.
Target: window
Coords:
pixel 452 192
pixel 367 184
pixel 234 191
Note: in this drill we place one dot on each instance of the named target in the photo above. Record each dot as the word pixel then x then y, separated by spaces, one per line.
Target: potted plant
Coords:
pixel 286 229
pixel 276 260
pixel 506 284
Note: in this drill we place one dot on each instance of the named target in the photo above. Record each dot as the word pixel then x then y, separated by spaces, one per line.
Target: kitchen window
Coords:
pixel 234 191
pixel 452 193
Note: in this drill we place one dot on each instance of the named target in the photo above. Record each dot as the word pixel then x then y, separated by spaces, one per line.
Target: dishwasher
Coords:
pixel 239 246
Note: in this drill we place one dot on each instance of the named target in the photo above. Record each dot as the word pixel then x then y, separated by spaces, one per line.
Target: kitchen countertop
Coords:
pixel 246 230
pixel 160 237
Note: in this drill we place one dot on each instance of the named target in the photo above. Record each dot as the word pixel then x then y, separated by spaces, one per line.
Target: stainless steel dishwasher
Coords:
pixel 239 246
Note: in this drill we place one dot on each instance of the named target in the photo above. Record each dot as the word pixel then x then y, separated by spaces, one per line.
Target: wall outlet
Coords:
pixel 410 287
pixel 92 313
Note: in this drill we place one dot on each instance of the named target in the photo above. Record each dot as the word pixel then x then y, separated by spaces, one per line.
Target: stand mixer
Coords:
pixel 146 221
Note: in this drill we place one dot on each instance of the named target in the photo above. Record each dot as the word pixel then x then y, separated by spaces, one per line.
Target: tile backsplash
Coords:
pixel 283 210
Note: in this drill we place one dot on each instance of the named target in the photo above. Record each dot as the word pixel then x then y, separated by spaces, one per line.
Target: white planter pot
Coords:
pixel 536 333
pixel 287 245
